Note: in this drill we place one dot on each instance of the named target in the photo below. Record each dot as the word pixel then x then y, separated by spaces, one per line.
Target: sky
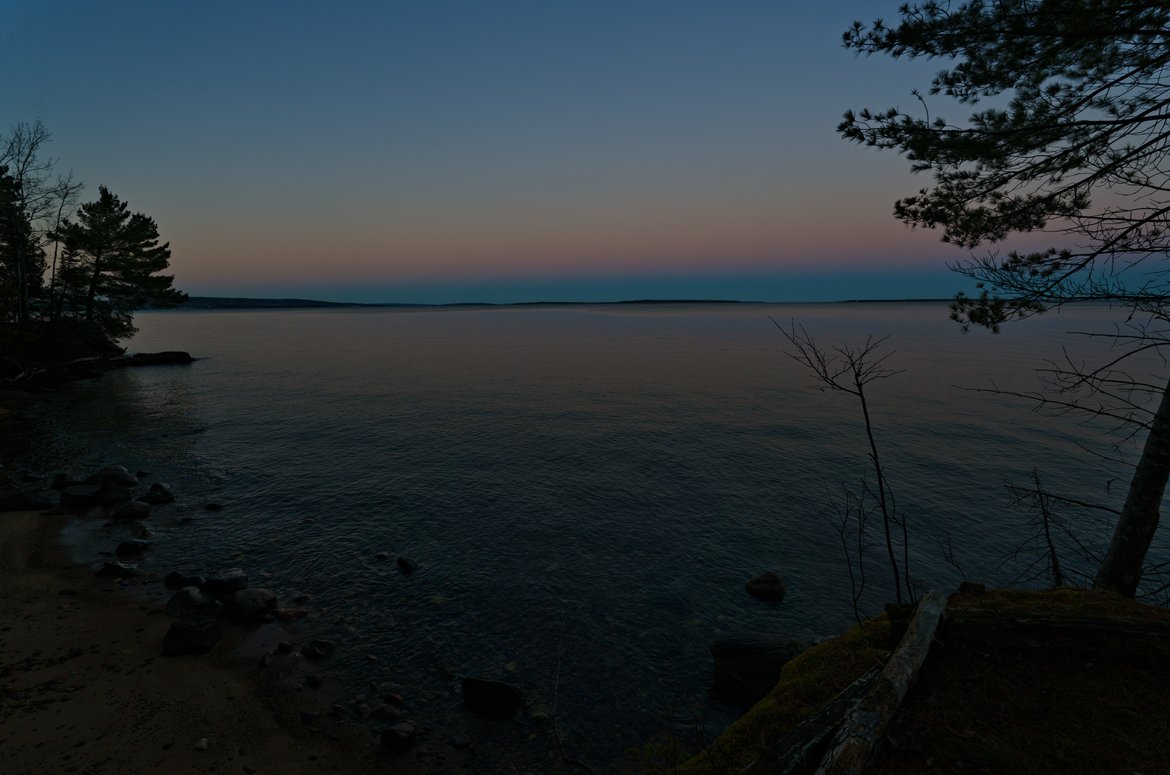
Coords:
pixel 435 151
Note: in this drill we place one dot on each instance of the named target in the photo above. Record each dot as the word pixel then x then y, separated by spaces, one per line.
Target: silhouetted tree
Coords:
pixel 1074 145
pixel 20 256
pixel 111 264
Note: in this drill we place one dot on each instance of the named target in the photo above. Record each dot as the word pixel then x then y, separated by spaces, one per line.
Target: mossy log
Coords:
pixel 800 751
pixel 856 742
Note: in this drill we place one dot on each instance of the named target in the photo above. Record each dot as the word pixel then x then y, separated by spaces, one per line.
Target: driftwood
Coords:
pixel 856 742
pixel 799 751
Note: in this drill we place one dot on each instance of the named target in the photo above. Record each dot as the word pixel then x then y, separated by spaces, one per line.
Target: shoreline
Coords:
pixel 86 689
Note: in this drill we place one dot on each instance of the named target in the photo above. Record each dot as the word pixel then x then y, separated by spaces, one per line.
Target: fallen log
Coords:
pixel 799 751
pixel 856 742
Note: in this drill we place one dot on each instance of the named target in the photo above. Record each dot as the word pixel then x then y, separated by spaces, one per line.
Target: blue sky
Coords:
pixel 469 151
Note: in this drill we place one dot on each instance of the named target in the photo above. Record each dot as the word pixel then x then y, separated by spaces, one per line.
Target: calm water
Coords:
pixel 585 489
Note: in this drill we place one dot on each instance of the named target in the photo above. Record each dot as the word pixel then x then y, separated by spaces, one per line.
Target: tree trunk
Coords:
pixel 1121 570
pixel 93 284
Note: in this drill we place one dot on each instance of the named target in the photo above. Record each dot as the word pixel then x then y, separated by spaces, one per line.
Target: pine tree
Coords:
pixel 1074 145
pixel 111 265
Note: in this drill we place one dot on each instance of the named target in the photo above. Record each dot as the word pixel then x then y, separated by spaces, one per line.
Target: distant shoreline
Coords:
pixel 231 303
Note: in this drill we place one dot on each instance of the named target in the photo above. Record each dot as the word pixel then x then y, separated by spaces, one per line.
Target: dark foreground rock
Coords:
pixel 399 737
pixel 251 605
pixel 226 583
pixel 747 666
pixel 193 635
pixel 493 699
pixel 768 585
pixel 187 602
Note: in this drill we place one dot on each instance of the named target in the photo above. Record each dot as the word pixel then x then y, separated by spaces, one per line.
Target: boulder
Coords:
pixel 251 604
pixel 493 699
pixel 747 666
pixel 157 495
pixel 80 496
pixel 113 494
pixel 117 570
pixel 188 601
pixel 226 583
pixel 175 580
pixel 131 510
pixel 406 565
pixel 21 500
pixel 132 548
pixel 768 585
pixel 193 635
pixel 399 737
pixel 113 475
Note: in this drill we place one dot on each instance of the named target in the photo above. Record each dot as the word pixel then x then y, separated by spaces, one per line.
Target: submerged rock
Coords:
pixel 768 585
pixel 317 649
pixel 406 565
pixel 494 699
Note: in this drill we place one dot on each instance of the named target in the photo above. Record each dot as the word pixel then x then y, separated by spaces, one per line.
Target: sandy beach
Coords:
pixel 85 688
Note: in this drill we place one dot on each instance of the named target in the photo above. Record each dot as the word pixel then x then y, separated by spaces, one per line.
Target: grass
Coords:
pixel 982 703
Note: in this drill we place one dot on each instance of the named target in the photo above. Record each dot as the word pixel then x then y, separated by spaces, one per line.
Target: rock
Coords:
pixel 461 740
pixel 21 500
pixel 317 649
pixel 201 744
pixel 79 496
pixel 226 583
pixel 157 495
pixel 406 565
pixel 392 698
pixel 175 580
pixel 213 507
pixel 113 475
pixel 747 666
pixel 132 510
pixel 302 599
pixel 314 681
pixel 386 712
pixel 768 585
pixel 193 635
pixel 113 494
pixel 61 481
pixel 972 588
pixel 251 604
pixel 132 548
pixel 138 530
pixel 493 699
pixel 399 737
pixel 188 601
pixel 381 556
pixel 290 614
pixel 117 570
pixel 309 718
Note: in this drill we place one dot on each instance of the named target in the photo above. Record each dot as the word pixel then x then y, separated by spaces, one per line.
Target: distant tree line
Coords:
pixel 72 274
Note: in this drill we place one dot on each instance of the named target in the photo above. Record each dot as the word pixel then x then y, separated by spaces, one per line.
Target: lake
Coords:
pixel 585 489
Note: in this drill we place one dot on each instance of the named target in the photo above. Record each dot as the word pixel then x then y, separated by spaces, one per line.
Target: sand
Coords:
pixel 84 687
